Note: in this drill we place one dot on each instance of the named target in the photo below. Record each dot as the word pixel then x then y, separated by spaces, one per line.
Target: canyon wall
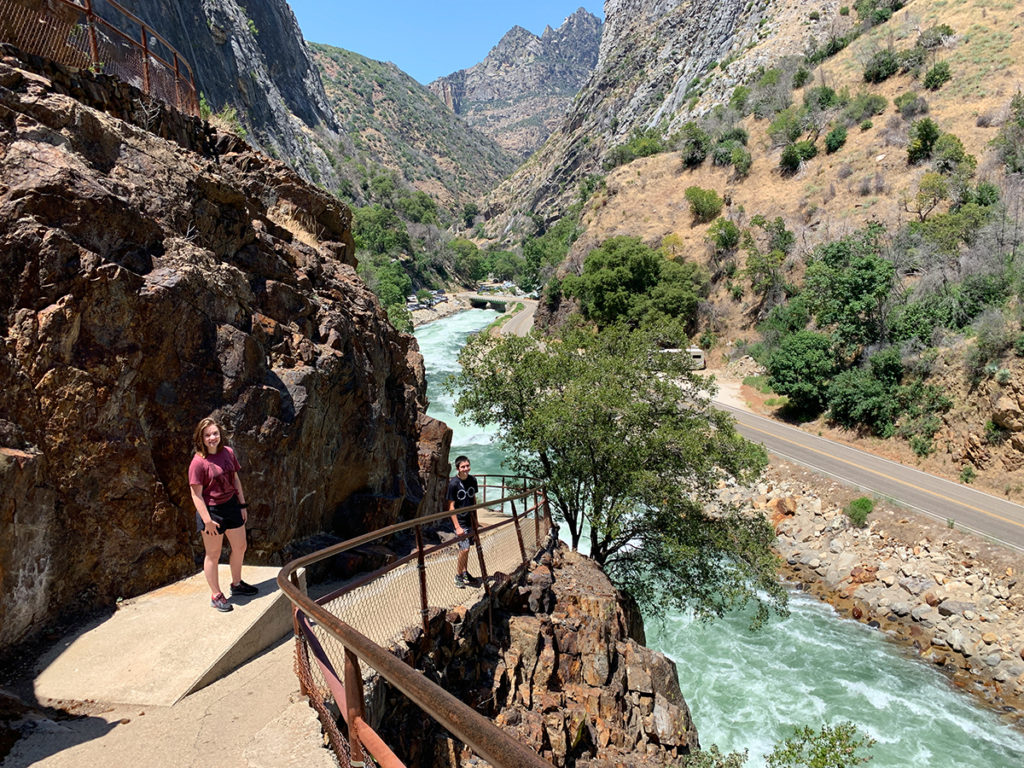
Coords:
pixel 155 273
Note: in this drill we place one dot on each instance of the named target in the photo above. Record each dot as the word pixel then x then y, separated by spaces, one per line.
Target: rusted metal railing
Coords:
pixel 70 32
pixel 328 643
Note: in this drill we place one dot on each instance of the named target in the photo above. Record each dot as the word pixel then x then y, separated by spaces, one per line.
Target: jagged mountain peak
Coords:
pixel 522 88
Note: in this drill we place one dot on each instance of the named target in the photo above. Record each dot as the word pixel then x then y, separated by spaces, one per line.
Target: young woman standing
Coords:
pixel 220 509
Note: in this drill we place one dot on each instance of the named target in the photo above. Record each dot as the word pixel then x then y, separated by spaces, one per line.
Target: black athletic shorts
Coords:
pixel 227 516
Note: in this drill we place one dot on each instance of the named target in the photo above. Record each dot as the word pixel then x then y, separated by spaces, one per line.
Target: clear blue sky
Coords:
pixel 428 39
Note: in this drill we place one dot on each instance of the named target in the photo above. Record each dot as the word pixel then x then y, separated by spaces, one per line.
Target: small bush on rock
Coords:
pixel 858 511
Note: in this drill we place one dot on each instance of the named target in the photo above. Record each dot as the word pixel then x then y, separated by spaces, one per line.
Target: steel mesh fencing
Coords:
pixel 385 605
pixel 69 34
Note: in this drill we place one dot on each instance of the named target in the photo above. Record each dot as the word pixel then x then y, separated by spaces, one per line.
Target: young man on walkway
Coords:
pixel 462 494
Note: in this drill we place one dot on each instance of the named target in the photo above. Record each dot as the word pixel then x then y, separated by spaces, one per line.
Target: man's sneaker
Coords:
pixel 460 582
pixel 221 603
pixel 241 588
pixel 470 581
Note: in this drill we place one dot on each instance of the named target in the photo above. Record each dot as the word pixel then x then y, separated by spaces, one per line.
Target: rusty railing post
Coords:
pixel 421 566
pixel 94 52
pixel 354 706
pixel 519 533
pixel 302 658
pixel 145 61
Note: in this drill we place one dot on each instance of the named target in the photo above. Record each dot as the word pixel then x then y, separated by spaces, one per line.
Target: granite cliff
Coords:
pixel 651 58
pixel 153 277
pixel 251 56
pixel 521 91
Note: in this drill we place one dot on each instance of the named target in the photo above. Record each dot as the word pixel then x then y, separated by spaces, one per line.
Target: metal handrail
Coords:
pixel 472 728
pixel 65 51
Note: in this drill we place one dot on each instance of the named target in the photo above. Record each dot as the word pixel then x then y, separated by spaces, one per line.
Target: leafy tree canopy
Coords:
pixel 848 285
pixel 801 367
pixel 631 451
pixel 626 280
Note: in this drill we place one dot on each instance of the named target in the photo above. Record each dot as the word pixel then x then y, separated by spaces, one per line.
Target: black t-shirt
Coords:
pixel 463 493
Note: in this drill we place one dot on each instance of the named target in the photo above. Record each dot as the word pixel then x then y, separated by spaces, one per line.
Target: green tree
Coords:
pixel 631 451
pixel 838 746
pixel 923 135
pixel 801 367
pixel 469 261
pixel 418 207
pixel 624 280
pixel 848 286
pixel 379 230
pixel 1010 140
pixel 881 66
pixel 835 139
pixel 705 204
pixel 724 235
pixel 937 76
pixel 694 144
pixel 469 213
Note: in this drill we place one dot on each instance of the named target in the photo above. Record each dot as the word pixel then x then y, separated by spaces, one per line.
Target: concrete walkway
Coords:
pixel 165 682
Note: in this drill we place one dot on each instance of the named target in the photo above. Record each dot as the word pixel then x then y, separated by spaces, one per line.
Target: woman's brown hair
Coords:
pixel 197 436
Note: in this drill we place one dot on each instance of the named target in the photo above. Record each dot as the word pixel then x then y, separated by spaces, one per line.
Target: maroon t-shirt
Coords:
pixel 216 473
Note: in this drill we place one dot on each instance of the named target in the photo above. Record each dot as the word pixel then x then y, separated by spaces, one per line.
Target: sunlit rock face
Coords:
pixel 148 282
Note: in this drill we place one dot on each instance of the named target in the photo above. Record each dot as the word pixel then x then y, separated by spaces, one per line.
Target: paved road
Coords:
pixel 522 322
pixel 972 510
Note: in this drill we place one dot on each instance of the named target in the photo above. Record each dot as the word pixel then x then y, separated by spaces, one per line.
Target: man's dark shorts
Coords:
pixel 227 516
pixel 467 525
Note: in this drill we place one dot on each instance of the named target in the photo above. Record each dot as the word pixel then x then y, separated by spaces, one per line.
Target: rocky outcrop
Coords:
pixel 921 583
pixel 150 282
pixel 251 56
pixel 520 92
pixel 561 665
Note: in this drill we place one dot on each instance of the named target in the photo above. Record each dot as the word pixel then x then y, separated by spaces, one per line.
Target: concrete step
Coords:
pixel 160 647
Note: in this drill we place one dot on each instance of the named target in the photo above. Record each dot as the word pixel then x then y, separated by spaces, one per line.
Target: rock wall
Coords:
pixel 149 282
pixel 250 55
pixel 562 666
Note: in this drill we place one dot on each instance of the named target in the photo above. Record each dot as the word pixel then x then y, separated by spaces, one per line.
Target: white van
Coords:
pixel 697 356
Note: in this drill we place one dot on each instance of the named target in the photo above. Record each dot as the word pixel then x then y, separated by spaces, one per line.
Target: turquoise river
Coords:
pixel 746 690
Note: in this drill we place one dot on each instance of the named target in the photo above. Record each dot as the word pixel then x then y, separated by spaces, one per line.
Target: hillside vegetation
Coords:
pixel 852 219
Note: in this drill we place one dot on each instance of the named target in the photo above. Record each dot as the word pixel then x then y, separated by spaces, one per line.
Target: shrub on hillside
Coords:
pixel 741 160
pixel 1010 140
pixel 859 509
pixel 911 60
pixel 724 236
pixel 923 135
pixel 863 107
pixel 705 204
pixel 933 37
pixel 694 143
pixel 642 143
pixel 881 66
pixel 821 97
pixel 786 127
pixel 937 76
pixel 722 153
pixel 789 160
pixel 796 153
pixel 835 139
pixel 910 105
